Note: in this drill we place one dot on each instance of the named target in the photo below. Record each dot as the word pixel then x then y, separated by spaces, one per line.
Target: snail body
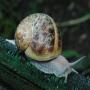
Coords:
pixel 60 66
pixel 37 35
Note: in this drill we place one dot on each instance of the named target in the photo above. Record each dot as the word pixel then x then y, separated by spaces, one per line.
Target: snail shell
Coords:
pixel 38 36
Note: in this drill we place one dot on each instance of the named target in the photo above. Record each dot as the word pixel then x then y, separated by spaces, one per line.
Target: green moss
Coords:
pixel 24 76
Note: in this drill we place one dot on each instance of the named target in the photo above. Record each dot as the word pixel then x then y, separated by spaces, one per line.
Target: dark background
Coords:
pixel 75 37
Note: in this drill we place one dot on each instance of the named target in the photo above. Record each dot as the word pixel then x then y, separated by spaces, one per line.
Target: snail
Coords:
pixel 38 37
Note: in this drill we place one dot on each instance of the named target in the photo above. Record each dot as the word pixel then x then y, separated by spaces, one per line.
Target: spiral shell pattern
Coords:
pixel 38 37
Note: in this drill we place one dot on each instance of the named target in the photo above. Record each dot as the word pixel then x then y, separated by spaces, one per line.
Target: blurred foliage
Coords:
pixel 74 37
pixel 70 53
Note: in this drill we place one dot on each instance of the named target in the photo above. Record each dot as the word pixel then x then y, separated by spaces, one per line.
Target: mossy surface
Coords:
pixel 21 74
